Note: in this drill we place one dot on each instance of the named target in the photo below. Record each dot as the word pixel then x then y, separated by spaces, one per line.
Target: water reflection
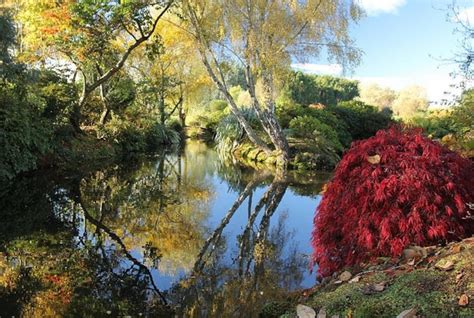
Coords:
pixel 180 233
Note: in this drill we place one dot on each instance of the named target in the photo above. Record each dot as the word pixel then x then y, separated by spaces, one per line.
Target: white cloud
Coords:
pixel 329 69
pixel 375 7
pixel 466 16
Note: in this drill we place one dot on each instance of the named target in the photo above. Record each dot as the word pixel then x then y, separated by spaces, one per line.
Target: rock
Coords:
pixel 345 276
pixel 414 253
pixel 303 311
pixel 322 313
pixel 463 300
pixel 379 287
pixel 444 265
pixel 409 313
pixel 374 288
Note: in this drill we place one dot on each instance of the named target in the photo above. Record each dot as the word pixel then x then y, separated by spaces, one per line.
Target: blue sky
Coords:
pixel 404 43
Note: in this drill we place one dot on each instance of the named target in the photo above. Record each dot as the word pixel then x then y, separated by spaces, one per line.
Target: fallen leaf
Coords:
pixel 456 248
pixel 324 188
pixel 303 311
pixel 345 276
pixel 409 313
pixel 355 280
pixel 411 262
pixel 445 265
pixel 373 159
pixel 463 300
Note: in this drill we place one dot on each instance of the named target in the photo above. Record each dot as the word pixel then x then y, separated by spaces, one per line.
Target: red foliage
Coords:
pixel 417 194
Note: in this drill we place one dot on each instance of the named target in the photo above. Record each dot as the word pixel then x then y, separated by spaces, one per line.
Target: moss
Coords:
pixel 432 292
pixel 274 309
pixel 419 289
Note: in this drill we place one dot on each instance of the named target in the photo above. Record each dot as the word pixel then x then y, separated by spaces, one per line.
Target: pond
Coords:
pixel 181 230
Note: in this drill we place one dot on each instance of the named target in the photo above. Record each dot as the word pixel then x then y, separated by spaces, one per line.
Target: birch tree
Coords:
pixel 265 36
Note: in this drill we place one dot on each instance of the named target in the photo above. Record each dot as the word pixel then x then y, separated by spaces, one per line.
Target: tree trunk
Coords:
pixel 104 116
pixel 204 47
pixel 254 138
pixel 268 118
pixel 182 116
pixel 105 113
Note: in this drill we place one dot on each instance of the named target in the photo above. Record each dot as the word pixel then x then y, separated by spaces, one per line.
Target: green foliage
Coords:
pixel 175 125
pixel 463 114
pixel 338 125
pixel 25 109
pixel 132 138
pixel 455 126
pixel 217 105
pixel 421 289
pixel 24 136
pixel 311 128
pixel 158 135
pixel 287 109
pixel 307 89
pixel 53 97
pixel 210 116
pixel 362 120
pixel 229 132
pixel 436 124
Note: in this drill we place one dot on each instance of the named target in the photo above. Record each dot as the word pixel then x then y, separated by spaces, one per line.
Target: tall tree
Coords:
pixel 375 95
pixel 95 37
pixel 170 75
pixel 256 34
pixel 410 100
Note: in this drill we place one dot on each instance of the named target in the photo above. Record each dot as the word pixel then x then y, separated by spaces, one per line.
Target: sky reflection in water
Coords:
pixel 177 228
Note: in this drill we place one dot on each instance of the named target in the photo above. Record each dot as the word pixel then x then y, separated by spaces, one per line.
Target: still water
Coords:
pixel 179 233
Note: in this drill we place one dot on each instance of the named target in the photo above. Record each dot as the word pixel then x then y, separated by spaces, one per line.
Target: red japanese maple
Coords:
pixel 389 191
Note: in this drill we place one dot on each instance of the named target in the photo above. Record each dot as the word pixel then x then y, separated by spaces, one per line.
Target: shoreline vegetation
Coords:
pixel 88 84
pixel 434 281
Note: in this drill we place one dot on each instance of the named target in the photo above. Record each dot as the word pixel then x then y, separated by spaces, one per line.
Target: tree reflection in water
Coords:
pixel 100 243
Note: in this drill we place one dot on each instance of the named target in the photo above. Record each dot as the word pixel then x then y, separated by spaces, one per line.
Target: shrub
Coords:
pixel 287 110
pixel 131 138
pixel 435 124
pixel 307 89
pixel 159 135
pixel 24 135
pixel 394 189
pixel 175 124
pixel 362 120
pixel 311 128
pixel 341 128
pixel 229 132
pixel 217 105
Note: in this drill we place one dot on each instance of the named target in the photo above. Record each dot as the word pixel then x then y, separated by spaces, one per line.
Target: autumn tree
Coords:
pixel 263 37
pixel 410 100
pixel 376 95
pixel 165 82
pixel 93 38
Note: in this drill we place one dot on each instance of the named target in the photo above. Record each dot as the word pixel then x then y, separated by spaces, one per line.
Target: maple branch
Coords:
pixel 107 75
